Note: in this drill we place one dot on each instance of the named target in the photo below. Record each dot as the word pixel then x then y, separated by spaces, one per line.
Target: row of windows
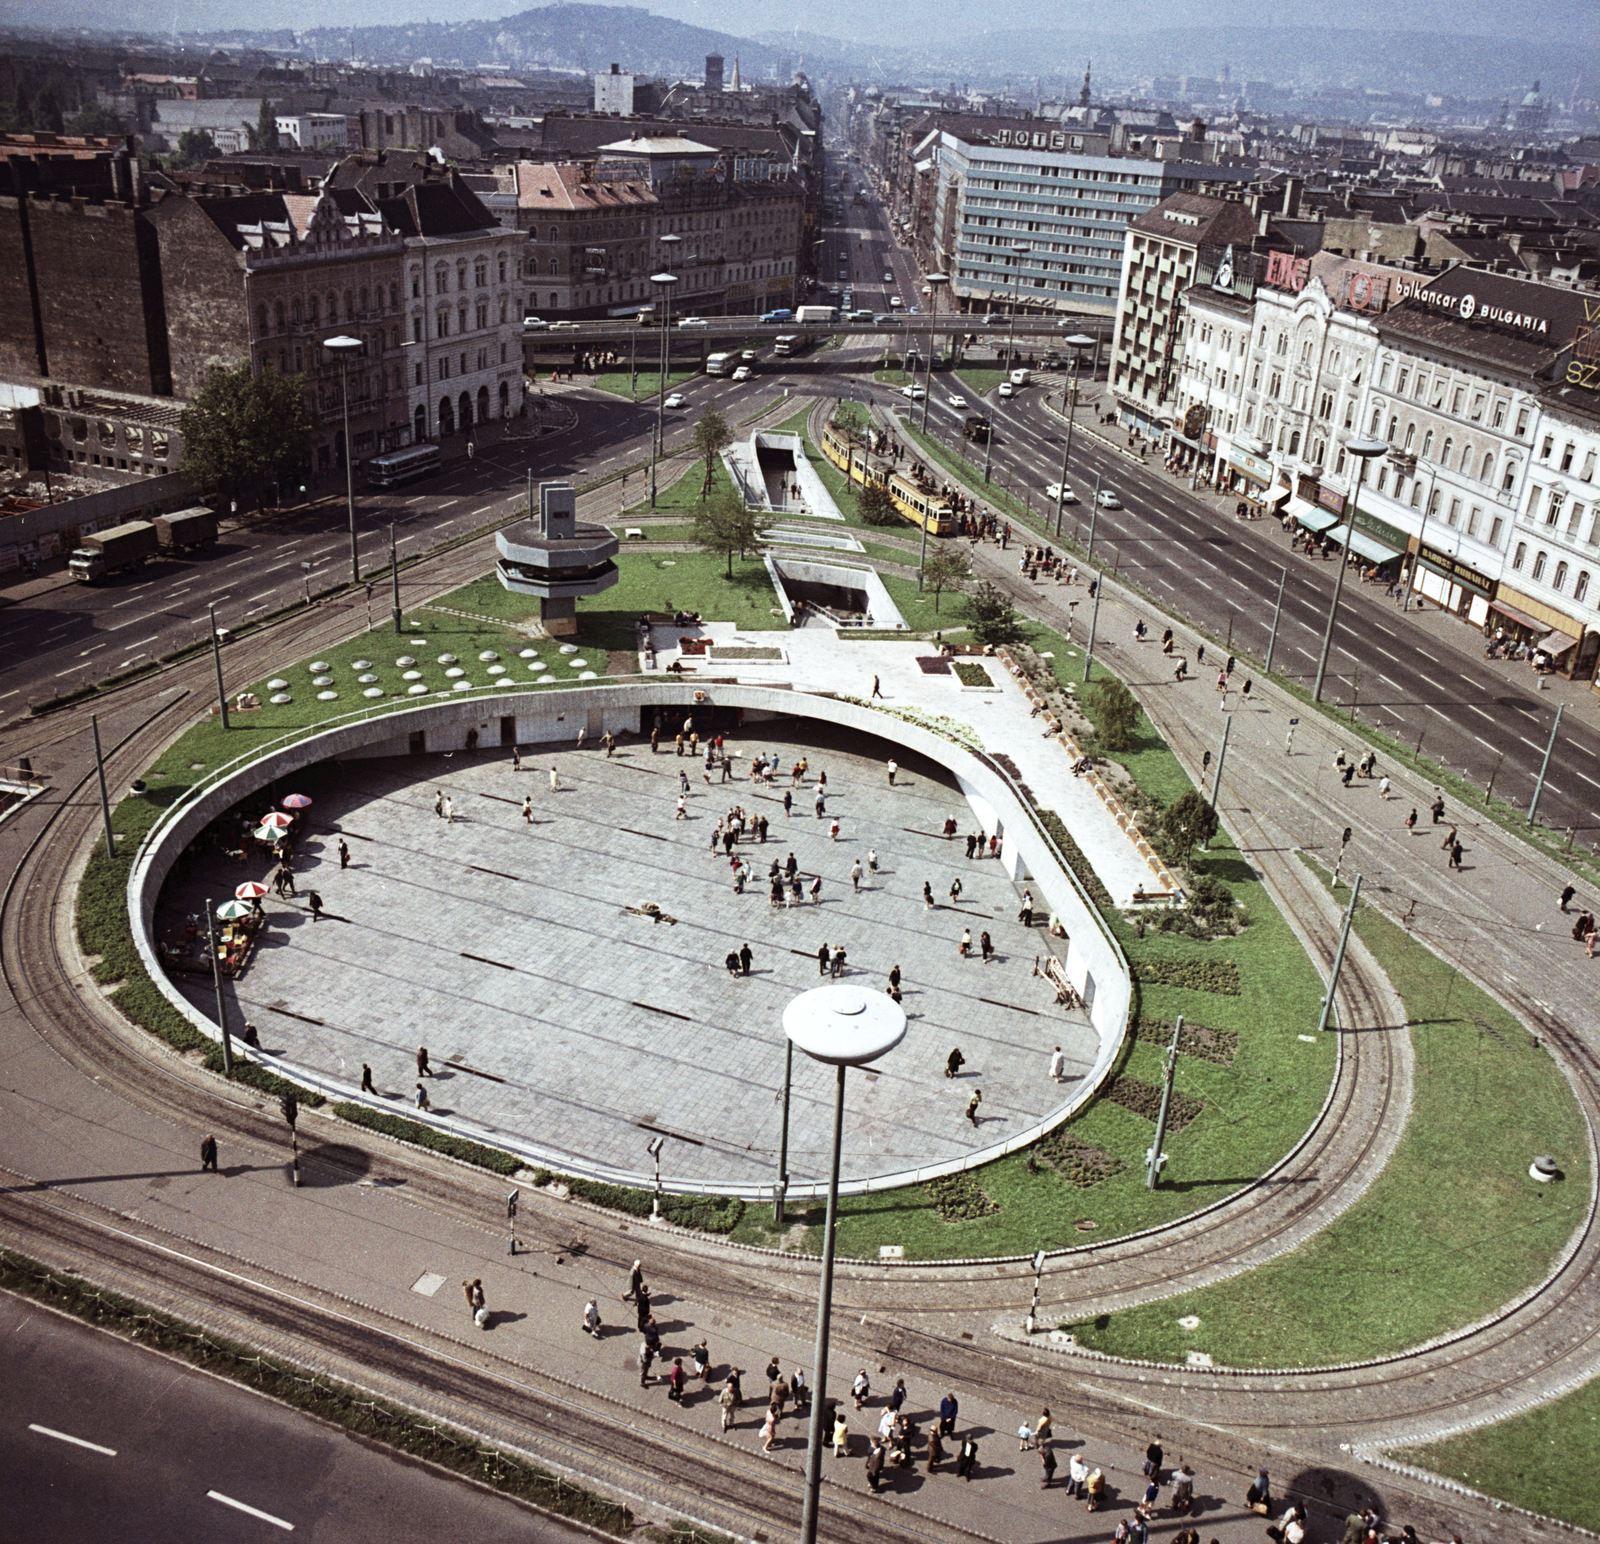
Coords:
pixel 1568 452
pixel 1464 400
pixel 307 311
pixel 1558 581
pixel 441 275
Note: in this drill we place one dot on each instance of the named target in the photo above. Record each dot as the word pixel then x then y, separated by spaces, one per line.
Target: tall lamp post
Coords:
pixel 1363 451
pixel 844 1027
pixel 343 347
pixel 1077 343
pixel 935 282
pixel 1405 465
pixel 658 443
pixel 1017 255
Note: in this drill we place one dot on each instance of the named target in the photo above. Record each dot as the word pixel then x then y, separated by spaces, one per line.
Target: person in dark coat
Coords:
pixel 967 1457
pixel 954 1062
pixel 208 1155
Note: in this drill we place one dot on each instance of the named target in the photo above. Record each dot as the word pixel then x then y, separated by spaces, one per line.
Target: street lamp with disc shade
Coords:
pixel 344 348
pixel 1363 451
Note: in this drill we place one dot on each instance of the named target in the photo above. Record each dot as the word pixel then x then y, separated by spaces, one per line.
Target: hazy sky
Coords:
pixel 880 21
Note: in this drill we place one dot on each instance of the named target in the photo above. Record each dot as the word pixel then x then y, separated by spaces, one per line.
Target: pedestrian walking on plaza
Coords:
pixel 1047 1462
pixel 955 892
pixel 1455 856
pixel 964 948
pixel 423 1069
pixel 949 1409
pixel 823 957
pixel 474 1294
pixel 861 1388
pixel 555 781
pixel 954 1062
pixel 872 860
pixel 1383 787
pixel 1411 819
pixel 682 808
pixel 1025 916
pixel 728 1399
pixel 836 969
pixel 875 1459
pixel 1183 1489
pixel 422 1098
pixel 894 767
pixel 1436 809
pixel 935 1449
pixel 655 739
pixel 769 1429
pixel 1058 1065
pixel 1152 1459
pixel 646 1358
pixel 833 830
pixel 731 961
pixel 609 740
pixel 366 1080
pixel 985 946
pixel 1449 840
pixel 527 809
pixel 972 842
pixel 841 1433
pixel 972 1107
pixel 855 877
pixel 591 1318
pixel 701 1355
pixel 449 811
pixel 583 732
pixel 516 758
pixel 676 1380
pixel 1077 1474
pixel 208 1154
pixel 967 1458
pixel 635 1283
pixel 745 957
pixel 816 892
pixel 927 896
pixel 788 803
pixel 820 804
pixel 1348 773
pixel 314 901
pixel 344 854
pixel 1567 892
pixel 877 693
pixel 438 805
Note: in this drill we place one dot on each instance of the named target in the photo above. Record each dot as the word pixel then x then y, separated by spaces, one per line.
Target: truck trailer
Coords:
pixel 109 552
pixel 186 528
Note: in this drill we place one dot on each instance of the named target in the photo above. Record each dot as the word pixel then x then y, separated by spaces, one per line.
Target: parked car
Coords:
pixel 1006 389
pixel 1053 491
pixel 676 399
pixel 916 393
pixel 1108 500
pixel 741 374
pixel 694 321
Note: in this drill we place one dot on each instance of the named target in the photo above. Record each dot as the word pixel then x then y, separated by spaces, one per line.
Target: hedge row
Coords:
pixel 427 1136
pixel 706 1214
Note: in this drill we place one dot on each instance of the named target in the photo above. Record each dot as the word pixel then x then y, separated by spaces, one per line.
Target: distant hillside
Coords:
pixel 573 37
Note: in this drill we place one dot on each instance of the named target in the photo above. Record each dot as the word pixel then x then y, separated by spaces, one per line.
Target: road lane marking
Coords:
pixel 61 1436
pixel 266 1517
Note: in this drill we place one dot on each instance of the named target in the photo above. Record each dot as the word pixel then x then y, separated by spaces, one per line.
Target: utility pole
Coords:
pixel 216 982
pixel 1155 1159
pixel 1094 623
pixel 1277 611
pixel 216 659
pixel 1216 779
pixel 1338 954
pixel 100 772
pixel 1038 1275
pixel 511 1219
pixel 291 1113
pixel 394 576
pixel 1363 451
pixel 1544 766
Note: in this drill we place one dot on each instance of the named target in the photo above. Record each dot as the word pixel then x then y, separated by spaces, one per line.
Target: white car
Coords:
pixel 534 324
pixel 677 399
pixel 748 356
pixel 1108 500
pixel 916 393
pixel 895 302
pixel 888 278
pixel 1006 389
pixel 1053 491
pixel 694 321
pixel 960 404
pixel 563 327
pixel 742 373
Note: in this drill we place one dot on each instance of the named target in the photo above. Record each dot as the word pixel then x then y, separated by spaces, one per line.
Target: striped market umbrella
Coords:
pixel 297 801
pixel 267 833
pixel 279 819
pixel 229 910
pixel 250 889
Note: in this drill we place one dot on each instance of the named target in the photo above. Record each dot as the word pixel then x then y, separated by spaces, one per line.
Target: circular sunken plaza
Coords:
pixel 566 1022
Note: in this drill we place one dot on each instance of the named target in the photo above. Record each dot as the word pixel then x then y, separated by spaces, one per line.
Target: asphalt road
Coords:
pixel 104 1440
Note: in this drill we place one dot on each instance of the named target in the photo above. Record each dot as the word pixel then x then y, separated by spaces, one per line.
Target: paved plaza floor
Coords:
pixel 557 1017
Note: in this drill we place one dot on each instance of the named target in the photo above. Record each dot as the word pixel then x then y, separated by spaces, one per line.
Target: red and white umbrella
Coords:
pixel 278 820
pixel 297 801
pixel 250 890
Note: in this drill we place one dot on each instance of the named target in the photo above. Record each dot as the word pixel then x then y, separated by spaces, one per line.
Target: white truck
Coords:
pixel 1021 377
pixel 817 314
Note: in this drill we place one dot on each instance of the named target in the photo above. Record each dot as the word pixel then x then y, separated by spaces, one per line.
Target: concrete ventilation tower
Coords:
pixel 713 72
pixel 557 557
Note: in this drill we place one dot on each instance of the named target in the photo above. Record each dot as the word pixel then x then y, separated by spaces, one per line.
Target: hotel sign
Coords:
pixel 1286 271
pixel 1032 139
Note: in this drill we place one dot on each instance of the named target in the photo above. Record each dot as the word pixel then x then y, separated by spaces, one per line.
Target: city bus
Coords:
pixel 719 364
pixel 787 344
pixel 394 467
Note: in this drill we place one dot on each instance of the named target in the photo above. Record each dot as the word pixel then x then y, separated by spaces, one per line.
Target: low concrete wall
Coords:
pixel 1095 963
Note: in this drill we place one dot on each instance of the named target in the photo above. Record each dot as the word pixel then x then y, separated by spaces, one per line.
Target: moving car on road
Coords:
pixel 676 399
pixel 1108 500
pixel 957 401
pixel 694 321
pixel 1053 491
pixel 742 373
pixel 916 393
pixel 1006 389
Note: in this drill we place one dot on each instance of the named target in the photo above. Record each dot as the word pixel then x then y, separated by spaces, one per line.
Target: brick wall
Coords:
pixel 203 282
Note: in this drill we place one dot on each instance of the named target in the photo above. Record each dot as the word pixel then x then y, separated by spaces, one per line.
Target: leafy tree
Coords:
pixel 1189 821
pixel 21 109
pixel 946 568
pixel 264 136
pixel 97 120
pixel 991 615
pixel 875 506
pixel 849 424
pixel 1117 713
pixel 195 148
pixel 726 524
pixel 244 430
pixel 711 437
pixel 47 112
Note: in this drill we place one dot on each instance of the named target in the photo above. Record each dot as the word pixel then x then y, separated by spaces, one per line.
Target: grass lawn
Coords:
pixel 1257 1101
pixel 620 382
pixel 980 381
pixel 1450 1230
pixel 687 581
pixel 681 496
pixel 1528 1460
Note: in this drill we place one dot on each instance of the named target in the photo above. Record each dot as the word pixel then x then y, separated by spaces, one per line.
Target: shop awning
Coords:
pixel 1359 541
pixel 1312 516
pixel 1555 644
pixel 1521 618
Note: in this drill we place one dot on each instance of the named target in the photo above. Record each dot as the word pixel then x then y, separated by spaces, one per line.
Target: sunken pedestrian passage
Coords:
pixel 608 973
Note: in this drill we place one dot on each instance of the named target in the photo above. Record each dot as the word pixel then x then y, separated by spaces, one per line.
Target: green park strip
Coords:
pixel 1450 1231
pixel 979 382
pixel 363 1416
pixel 1250 1085
pixel 1529 1459
pixel 680 496
pixel 620 383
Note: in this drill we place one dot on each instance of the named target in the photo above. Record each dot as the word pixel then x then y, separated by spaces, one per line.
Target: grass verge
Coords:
pixel 360 1414
pixel 1527 1460
pixel 1451 1229
pixel 427 1136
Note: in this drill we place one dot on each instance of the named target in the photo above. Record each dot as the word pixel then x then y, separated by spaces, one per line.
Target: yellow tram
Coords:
pixel 923 507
